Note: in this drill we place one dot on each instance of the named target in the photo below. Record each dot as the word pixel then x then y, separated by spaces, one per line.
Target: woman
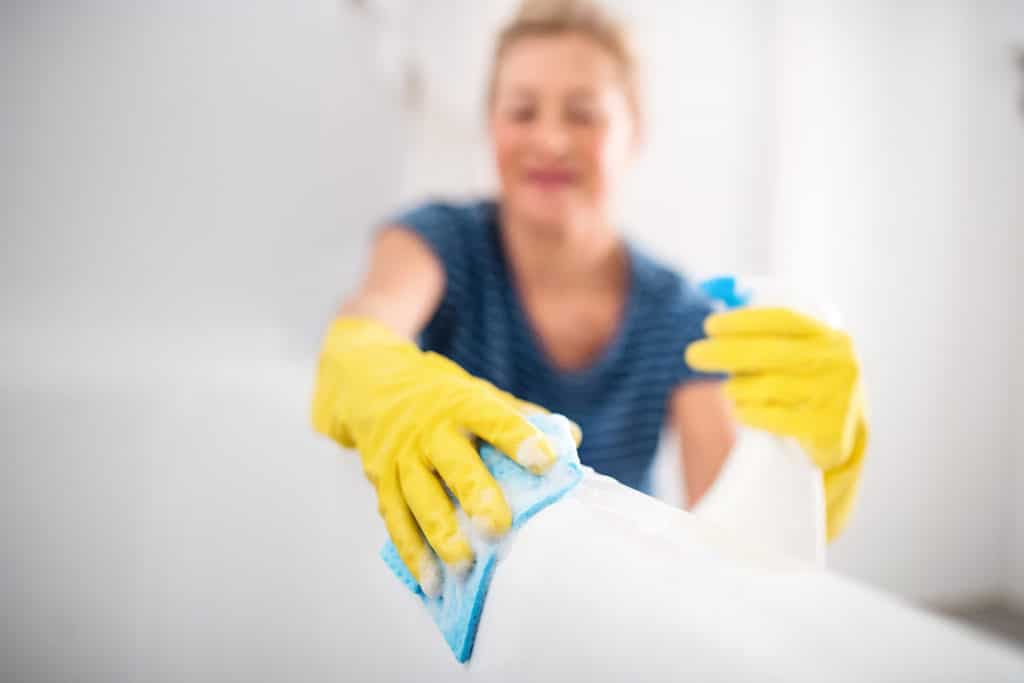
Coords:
pixel 535 299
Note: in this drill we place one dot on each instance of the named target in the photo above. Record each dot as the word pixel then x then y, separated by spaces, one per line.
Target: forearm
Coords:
pixel 403 285
pixel 384 308
pixel 707 434
pixel 703 458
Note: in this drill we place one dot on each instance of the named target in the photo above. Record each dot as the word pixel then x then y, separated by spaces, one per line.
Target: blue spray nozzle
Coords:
pixel 723 289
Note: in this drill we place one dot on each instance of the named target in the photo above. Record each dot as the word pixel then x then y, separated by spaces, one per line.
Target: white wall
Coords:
pixel 900 195
pixel 201 164
pixel 1012 18
pixel 1014 21
pixel 185 192
pixel 1015 577
pixel 1016 569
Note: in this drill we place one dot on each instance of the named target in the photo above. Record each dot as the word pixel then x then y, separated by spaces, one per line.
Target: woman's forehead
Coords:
pixel 569 63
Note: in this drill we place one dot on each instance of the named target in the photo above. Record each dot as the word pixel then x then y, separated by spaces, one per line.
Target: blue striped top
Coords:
pixel 621 400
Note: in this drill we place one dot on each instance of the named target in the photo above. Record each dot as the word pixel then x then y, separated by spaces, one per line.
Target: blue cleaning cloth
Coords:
pixel 457 610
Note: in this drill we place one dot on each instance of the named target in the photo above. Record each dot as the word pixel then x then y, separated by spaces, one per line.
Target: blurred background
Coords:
pixel 189 189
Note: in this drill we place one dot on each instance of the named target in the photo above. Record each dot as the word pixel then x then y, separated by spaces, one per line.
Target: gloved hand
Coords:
pixel 794 376
pixel 413 416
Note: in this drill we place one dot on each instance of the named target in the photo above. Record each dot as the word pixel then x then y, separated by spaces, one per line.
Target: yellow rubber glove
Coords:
pixel 413 417
pixel 794 376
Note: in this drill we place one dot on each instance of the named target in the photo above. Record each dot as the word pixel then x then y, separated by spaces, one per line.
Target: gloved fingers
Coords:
pixel 837 430
pixel 406 535
pixel 505 428
pixel 775 387
pixel 841 484
pixel 528 408
pixel 823 429
pixel 444 366
pixel 820 431
pixel 763 321
pixel 759 354
pixel 459 464
pixel 434 512
pixel 827 453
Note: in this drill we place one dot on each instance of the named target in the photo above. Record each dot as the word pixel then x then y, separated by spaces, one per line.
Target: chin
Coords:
pixel 552 214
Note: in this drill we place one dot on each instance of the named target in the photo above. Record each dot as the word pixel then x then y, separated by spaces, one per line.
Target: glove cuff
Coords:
pixel 343 354
pixel 350 332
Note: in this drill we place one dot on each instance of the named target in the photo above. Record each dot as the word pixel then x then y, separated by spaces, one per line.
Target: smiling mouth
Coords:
pixel 551 178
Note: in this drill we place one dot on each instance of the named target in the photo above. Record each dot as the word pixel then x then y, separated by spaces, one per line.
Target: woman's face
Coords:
pixel 562 130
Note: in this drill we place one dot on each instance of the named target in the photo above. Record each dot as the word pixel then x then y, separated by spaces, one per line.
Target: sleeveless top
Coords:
pixel 621 399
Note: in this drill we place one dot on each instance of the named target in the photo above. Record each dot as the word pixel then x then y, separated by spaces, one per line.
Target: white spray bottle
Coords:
pixel 769 491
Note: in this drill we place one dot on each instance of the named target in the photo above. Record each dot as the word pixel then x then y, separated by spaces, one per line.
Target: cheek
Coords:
pixel 605 157
pixel 507 145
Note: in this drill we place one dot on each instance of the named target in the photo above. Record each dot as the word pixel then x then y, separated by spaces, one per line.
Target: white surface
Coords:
pixel 177 521
pixel 647 592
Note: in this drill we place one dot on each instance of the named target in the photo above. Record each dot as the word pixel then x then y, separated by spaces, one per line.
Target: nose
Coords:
pixel 551 135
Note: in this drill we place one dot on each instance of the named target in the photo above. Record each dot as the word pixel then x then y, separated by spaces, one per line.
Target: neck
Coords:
pixel 580 256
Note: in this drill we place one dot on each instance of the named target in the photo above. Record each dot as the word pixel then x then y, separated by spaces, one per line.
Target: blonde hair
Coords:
pixel 583 17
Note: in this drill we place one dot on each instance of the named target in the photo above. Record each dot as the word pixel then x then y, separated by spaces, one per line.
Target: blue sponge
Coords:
pixel 457 610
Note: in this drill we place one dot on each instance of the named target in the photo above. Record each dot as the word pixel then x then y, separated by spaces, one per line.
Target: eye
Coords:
pixel 581 116
pixel 521 114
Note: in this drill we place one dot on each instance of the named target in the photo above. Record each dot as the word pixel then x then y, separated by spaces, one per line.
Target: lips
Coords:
pixel 551 177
